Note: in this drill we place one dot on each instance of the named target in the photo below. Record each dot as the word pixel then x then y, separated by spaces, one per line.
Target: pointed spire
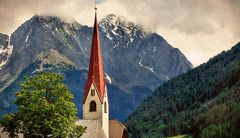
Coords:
pixel 95 72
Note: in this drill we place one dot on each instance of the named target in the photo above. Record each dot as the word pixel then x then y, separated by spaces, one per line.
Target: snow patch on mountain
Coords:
pixel 149 68
pixel 109 36
pixel 131 39
pixel 167 78
pixel 3 50
pixel 115 45
pixel 154 49
pixel 140 61
pixel 28 36
pixel 144 66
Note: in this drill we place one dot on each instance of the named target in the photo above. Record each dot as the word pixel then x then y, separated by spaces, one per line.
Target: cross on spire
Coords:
pixel 95 8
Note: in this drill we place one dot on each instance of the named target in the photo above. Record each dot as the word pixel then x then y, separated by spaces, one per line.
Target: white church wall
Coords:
pixel 86 107
pixel 105 115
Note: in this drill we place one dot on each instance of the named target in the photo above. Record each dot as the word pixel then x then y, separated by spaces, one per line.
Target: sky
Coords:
pixel 199 28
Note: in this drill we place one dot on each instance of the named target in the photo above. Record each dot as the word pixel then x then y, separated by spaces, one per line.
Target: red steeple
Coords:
pixel 95 72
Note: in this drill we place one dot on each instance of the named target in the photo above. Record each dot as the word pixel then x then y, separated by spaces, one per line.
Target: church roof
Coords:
pixel 95 72
pixel 117 129
pixel 94 129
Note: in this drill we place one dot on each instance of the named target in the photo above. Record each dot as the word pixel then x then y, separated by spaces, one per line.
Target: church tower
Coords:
pixel 95 100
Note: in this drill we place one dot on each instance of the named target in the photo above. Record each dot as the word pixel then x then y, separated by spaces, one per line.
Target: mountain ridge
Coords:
pixel 127 59
pixel 190 103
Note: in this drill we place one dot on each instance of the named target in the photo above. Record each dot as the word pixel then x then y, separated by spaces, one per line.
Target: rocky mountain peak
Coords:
pixel 5 49
pixel 116 20
pixel 3 40
pixel 119 25
pixel 54 21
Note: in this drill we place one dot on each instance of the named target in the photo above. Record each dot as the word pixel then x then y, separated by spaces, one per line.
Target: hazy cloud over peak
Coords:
pixel 199 28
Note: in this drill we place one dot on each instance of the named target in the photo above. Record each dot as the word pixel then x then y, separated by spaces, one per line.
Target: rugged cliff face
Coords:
pixel 5 49
pixel 135 62
pixel 3 46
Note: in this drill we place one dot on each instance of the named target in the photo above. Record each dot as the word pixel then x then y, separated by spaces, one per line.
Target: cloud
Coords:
pixel 199 28
pixel 185 15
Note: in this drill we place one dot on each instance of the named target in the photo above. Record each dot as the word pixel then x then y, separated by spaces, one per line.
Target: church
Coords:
pixel 95 99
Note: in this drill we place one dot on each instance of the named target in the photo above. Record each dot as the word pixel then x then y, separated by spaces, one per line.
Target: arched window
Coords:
pixel 92 92
pixel 93 106
pixel 105 107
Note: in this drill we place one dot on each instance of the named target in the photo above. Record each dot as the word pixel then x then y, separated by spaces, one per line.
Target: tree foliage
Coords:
pixel 45 108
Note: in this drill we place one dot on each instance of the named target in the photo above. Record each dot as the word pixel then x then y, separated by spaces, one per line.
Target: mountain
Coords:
pixel 3 45
pixel 135 62
pixel 5 49
pixel 204 102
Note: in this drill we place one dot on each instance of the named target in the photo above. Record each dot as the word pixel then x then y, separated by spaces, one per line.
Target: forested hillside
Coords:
pixel 204 102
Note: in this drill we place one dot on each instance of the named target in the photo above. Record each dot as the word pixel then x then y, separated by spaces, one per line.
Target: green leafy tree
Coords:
pixel 45 109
